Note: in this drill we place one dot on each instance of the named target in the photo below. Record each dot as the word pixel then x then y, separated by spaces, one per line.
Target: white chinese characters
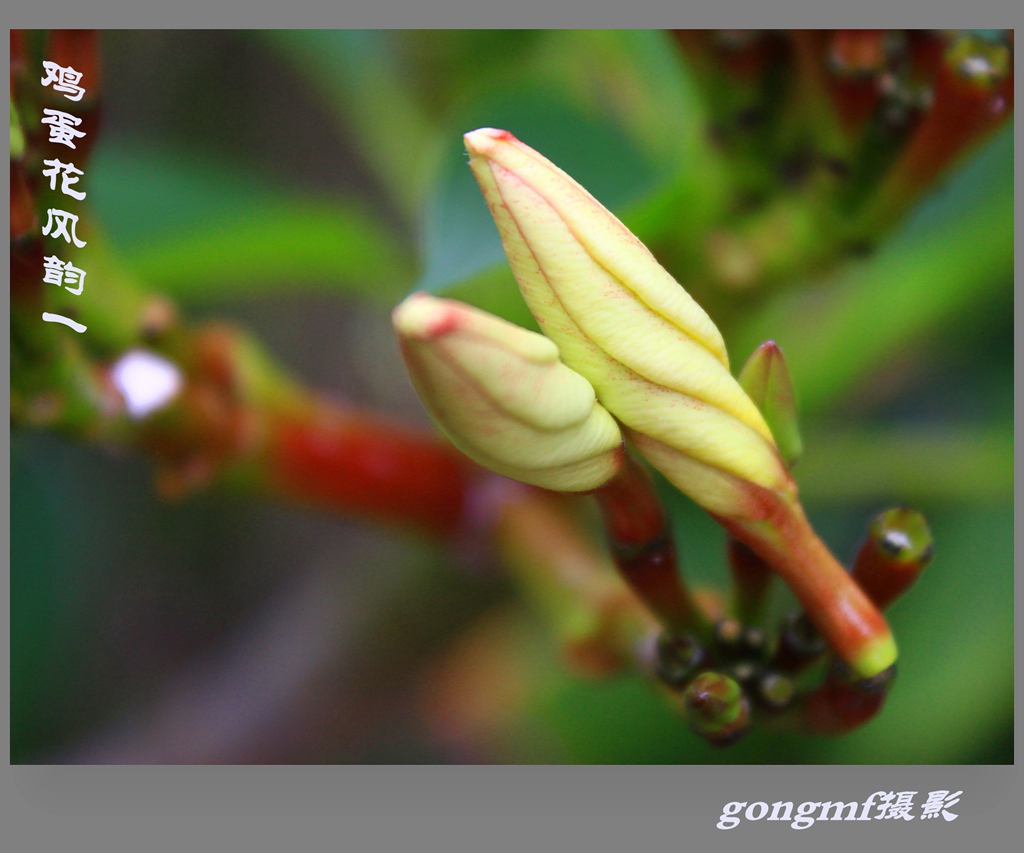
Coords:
pixel 937 804
pixel 893 805
pixel 56 271
pixel 57 226
pixel 68 174
pixel 887 805
pixel 63 224
pixel 64 79
pixel 62 127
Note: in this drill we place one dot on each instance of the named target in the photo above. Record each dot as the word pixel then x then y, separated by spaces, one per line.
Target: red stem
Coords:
pixel 643 547
pixel 962 113
pixel 840 610
pixel 359 463
pixel 751 578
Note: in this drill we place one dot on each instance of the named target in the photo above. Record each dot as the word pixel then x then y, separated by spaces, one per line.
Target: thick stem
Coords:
pixel 362 464
pixel 838 608
pixel 643 548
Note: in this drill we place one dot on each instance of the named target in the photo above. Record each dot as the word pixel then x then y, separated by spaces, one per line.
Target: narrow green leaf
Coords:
pixel 330 246
pixel 200 228
pixel 960 464
pixel 765 377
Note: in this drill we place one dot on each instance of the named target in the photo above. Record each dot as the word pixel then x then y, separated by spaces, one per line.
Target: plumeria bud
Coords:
pixel 503 397
pixel 654 357
pixel 765 377
pixel 659 365
pixel 896 549
pixel 717 708
pixel 678 659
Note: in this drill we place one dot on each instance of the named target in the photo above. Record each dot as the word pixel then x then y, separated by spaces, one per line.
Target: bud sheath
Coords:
pixel 765 377
pixel 503 397
pixel 654 357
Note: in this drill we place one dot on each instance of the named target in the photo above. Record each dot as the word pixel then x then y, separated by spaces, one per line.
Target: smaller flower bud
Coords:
pixel 896 549
pixel 677 659
pixel 765 377
pixel 504 399
pixel 717 708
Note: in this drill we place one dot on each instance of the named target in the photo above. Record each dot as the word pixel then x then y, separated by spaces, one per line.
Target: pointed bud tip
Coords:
pixel 424 317
pixel 903 535
pixel 478 142
pixel 767 380
pixel 767 357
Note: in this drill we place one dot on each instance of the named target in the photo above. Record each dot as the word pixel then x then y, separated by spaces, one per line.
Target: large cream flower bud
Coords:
pixel 654 357
pixel 659 365
pixel 504 398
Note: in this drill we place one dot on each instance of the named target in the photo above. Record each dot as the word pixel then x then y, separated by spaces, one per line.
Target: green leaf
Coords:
pixel 201 229
pixel 909 464
pixel 765 377
pixel 143 190
pixel 955 252
pixel 334 246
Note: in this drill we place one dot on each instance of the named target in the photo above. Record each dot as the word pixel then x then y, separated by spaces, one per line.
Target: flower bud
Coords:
pixel 659 365
pixel 717 708
pixel 766 379
pixel 896 549
pixel 655 359
pixel 502 396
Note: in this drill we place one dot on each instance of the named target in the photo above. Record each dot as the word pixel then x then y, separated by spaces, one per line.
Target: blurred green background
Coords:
pixel 300 183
